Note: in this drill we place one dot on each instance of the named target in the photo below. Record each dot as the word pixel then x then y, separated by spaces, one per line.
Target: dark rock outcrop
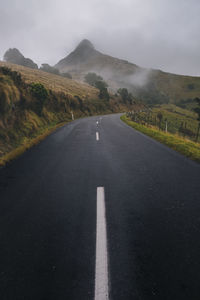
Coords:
pixel 14 56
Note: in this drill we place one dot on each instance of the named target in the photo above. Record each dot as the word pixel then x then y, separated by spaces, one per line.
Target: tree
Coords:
pixel 197 110
pixel 67 75
pixel 124 94
pixel 97 81
pixel 92 78
pixel 103 91
pixel 101 84
pixel 103 94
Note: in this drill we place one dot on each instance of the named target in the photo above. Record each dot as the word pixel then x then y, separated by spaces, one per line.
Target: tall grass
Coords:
pixel 28 143
pixel 53 82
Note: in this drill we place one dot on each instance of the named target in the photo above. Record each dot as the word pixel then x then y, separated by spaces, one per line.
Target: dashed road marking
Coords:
pixel 101 265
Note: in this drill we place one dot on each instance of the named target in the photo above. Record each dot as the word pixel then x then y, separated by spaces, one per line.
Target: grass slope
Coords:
pixel 54 82
pixel 183 146
pixel 176 88
pixel 25 119
pixel 27 143
pixel 179 121
pixel 178 118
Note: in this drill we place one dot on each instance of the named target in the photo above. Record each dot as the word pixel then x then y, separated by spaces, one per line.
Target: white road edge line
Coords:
pixel 101 266
pixel 97 136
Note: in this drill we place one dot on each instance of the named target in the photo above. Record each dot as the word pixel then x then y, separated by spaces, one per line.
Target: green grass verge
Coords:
pixel 28 143
pixel 181 145
pixel 177 117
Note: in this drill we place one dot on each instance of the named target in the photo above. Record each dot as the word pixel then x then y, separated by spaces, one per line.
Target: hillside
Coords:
pixel 86 58
pixel 54 82
pixel 33 102
pixel 151 86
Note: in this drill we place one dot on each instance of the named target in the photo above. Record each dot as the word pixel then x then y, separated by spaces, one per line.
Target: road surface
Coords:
pixel 99 211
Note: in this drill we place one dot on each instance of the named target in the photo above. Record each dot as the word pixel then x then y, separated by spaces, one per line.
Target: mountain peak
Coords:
pixel 85 44
pixel 13 55
pixel 83 52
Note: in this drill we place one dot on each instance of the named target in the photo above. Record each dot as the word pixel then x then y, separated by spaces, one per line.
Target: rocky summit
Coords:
pixel 15 56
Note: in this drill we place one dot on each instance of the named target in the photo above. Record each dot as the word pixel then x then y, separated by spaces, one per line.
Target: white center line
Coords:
pixel 97 136
pixel 101 268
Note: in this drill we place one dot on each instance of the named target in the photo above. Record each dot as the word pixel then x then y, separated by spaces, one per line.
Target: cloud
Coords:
pixel 151 33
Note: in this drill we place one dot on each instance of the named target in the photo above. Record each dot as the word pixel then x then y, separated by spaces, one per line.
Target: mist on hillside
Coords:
pixel 152 34
pixel 138 79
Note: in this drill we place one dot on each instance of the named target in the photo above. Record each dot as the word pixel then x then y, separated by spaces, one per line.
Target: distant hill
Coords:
pixel 85 58
pixel 14 56
pixel 151 86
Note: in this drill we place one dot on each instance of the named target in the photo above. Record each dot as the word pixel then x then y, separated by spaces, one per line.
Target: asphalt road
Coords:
pixel 48 201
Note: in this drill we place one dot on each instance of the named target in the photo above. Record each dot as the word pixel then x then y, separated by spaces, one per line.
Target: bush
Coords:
pixel 40 93
pixel 47 68
pixel 125 95
pixel 67 75
pixel 15 76
pixel 97 81
pixel 101 84
pixel 4 103
pixel 92 78
pixel 103 94
pixel 103 91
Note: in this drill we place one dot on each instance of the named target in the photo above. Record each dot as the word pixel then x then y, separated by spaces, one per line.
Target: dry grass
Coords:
pixel 27 145
pixel 54 82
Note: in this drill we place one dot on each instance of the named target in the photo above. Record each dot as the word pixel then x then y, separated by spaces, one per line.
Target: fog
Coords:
pixel 139 78
pixel 150 33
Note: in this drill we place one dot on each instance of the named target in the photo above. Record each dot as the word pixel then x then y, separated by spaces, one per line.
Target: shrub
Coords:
pixel 103 94
pixel 103 91
pixel 40 93
pixel 92 78
pixel 4 103
pixel 67 75
pixel 49 69
pixel 15 76
pixel 125 95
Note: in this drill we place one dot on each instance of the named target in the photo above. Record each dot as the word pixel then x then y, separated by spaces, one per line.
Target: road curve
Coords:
pixel 48 217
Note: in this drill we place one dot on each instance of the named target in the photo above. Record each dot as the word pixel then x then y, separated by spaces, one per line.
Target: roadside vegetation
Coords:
pixel 178 143
pixel 170 118
pixel 29 109
pixel 29 142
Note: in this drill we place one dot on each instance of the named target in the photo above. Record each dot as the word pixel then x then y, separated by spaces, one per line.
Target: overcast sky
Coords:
pixel 162 34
